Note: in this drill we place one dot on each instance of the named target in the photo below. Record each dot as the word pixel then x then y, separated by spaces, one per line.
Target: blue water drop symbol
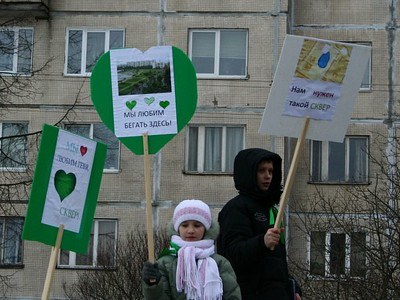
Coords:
pixel 324 59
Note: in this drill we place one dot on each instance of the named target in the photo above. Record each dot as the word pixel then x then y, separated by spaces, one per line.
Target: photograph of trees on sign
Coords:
pixel 144 77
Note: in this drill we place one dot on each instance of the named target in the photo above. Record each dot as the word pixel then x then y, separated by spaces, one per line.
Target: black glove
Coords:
pixel 150 273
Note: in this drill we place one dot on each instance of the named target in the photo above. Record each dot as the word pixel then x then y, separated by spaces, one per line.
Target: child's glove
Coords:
pixel 150 273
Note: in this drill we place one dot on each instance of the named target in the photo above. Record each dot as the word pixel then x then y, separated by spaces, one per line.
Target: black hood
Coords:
pixel 245 174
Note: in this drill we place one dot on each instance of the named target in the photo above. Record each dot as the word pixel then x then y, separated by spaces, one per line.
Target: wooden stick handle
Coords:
pixel 52 264
pixel 149 209
pixel 292 173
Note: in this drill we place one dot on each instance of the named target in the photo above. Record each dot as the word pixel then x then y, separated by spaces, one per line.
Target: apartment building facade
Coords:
pixel 235 49
pixel 344 194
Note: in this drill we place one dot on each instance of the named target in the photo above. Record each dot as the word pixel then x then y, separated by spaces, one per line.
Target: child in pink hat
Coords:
pixel 190 268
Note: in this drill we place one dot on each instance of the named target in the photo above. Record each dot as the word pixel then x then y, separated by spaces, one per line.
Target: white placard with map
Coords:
pixel 315 78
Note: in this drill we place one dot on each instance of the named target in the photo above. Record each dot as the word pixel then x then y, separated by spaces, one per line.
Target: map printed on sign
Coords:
pixel 143 92
pixel 318 79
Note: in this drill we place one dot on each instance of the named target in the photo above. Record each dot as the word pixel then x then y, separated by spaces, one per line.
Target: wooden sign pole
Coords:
pixel 52 263
pixel 292 173
pixel 149 209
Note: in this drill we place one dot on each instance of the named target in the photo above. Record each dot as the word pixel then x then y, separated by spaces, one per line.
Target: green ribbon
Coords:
pixel 272 212
pixel 172 250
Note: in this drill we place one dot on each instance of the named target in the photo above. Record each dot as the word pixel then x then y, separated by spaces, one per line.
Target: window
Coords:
pixel 84 47
pixel 11 241
pixel 101 250
pixel 16 50
pixel 13 146
pixel 345 162
pixel 336 254
pixel 212 149
pixel 366 81
pixel 219 53
pixel 99 132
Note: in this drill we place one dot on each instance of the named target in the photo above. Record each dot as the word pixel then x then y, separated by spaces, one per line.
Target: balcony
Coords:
pixel 22 9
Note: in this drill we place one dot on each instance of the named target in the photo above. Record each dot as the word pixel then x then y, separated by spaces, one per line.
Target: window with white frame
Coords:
pixel 367 78
pixel 101 251
pixel 11 240
pixel 100 133
pixel 345 162
pixel 219 52
pixel 338 254
pixel 212 148
pixel 16 50
pixel 13 146
pixel 85 46
pixel 366 82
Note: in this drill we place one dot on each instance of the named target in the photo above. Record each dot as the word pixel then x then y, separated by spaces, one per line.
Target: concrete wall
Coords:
pixel 223 102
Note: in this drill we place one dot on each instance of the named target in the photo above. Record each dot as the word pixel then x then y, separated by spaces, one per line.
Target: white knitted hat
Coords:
pixel 195 210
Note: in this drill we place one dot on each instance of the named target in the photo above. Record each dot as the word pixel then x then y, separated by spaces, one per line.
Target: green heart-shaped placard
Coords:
pixel 137 93
pixel 64 183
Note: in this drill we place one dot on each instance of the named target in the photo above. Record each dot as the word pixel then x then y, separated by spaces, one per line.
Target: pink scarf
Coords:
pixel 199 281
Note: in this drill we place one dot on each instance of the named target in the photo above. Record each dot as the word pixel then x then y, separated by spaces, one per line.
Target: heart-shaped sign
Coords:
pixel 64 183
pixel 153 92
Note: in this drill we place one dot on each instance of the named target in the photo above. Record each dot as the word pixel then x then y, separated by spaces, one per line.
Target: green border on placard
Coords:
pixel 34 229
pixel 91 202
pixel 185 88
pixel 39 188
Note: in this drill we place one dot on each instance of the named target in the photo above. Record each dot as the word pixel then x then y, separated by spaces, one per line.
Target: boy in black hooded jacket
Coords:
pixel 247 238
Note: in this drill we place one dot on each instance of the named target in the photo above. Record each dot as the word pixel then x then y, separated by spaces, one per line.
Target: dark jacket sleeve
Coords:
pixel 237 241
pixel 159 291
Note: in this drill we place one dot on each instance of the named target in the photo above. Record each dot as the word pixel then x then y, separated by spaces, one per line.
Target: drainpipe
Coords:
pixel 390 151
pixel 287 140
pixel 157 157
pixel 276 54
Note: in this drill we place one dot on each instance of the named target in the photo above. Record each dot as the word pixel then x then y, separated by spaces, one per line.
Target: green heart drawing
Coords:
pixel 185 97
pixel 149 101
pixel 64 183
pixel 164 104
pixel 130 104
